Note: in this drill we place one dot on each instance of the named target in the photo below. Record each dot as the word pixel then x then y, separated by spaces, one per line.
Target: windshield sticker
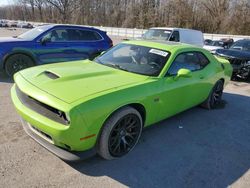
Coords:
pixel 167 31
pixel 158 52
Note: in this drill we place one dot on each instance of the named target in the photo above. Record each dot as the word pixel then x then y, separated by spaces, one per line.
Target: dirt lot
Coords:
pixel 197 148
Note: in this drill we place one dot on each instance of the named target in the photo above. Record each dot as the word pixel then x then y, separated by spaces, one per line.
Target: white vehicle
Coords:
pixel 214 45
pixel 182 35
pixel 212 49
pixel 24 25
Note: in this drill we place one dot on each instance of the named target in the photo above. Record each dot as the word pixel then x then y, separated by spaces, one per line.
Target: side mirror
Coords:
pixel 185 73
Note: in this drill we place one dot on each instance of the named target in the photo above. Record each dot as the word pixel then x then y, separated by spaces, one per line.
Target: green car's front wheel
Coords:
pixel 17 62
pixel 120 133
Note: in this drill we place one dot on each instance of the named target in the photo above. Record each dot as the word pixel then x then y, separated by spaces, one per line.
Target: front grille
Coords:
pixel 41 108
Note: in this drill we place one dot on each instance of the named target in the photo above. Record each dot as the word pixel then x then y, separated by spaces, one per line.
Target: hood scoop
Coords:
pixel 51 75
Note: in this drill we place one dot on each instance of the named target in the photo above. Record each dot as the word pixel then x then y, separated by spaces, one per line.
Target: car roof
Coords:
pixel 159 44
pixel 173 28
pixel 70 26
pixel 247 40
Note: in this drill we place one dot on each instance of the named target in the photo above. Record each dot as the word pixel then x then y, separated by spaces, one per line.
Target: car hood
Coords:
pixel 239 54
pixel 72 81
pixel 211 48
pixel 10 39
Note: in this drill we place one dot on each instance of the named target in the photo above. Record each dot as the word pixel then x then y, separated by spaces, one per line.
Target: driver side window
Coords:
pixel 175 36
pixel 192 61
pixel 57 35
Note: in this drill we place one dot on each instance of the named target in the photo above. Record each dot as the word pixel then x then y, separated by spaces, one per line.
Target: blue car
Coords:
pixel 51 44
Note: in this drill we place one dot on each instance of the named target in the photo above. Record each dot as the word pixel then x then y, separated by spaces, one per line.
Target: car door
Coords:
pixel 182 93
pixel 55 46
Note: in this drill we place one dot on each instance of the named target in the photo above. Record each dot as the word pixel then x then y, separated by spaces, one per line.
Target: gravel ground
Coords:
pixel 197 148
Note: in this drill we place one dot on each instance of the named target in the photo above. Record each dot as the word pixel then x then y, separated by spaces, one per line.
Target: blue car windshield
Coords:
pixel 241 45
pixel 33 33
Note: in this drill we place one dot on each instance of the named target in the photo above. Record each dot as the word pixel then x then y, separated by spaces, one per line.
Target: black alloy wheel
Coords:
pixel 216 95
pixel 16 63
pixel 124 135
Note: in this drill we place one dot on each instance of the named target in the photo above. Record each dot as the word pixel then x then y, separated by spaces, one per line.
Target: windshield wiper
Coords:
pixel 116 66
pixel 113 65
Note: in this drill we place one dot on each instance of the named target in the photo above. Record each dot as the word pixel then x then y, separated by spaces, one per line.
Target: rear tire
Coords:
pixel 120 133
pixel 215 96
pixel 17 62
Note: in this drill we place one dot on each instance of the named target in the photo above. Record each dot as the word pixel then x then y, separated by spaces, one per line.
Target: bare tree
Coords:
pixel 64 7
pixel 217 16
pixel 39 4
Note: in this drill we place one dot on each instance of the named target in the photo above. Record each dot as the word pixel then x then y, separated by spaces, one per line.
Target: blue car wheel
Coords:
pixel 16 63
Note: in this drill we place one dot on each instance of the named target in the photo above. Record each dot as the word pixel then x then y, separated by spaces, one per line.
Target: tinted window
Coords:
pixel 247 46
pixel 83 35
pixel 175 36
pixel 202 60
pixel 192 61
pixel 241 45
pixel 57 35
pixel 217 43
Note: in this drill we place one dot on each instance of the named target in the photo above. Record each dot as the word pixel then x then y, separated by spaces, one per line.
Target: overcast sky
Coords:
pixel 5 2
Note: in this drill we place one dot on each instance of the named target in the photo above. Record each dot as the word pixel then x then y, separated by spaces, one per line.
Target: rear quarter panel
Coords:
pixel 228 67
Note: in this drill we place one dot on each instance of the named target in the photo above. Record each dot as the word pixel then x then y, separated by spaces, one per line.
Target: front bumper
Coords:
pixel 60 152
pixel 53 135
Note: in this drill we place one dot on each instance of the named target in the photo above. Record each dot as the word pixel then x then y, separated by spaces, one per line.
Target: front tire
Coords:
pixel 215 96
pixel 120 133
pixel 17 62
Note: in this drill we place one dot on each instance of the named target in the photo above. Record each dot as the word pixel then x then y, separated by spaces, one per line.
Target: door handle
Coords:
pixel 201 77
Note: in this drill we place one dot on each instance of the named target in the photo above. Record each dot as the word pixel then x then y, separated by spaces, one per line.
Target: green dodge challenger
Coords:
pixel 81 108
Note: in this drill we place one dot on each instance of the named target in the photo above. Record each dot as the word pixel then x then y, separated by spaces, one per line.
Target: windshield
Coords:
pixel 33 33
pixel 217 43
pixel 136 59
pixel 157 34
pixel 241 45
